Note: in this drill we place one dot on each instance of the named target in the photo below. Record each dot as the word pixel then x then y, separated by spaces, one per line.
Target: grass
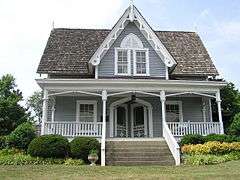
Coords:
pixel 229 170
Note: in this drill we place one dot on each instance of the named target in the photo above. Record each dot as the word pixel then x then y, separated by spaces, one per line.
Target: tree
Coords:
pixel 11 112
pixel 230 104
pixel 34 103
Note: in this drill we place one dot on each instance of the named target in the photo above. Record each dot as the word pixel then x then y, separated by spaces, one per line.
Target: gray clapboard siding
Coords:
pixel 156 65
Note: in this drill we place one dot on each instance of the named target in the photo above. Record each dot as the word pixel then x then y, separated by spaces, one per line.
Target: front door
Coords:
pixel 138 121
pixel 121 116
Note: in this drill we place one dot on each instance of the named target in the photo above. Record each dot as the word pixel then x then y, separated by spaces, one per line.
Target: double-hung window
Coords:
pixel 86 111
pixel 131 53
pixel 122 61
pixel 174 111
pixel 141 63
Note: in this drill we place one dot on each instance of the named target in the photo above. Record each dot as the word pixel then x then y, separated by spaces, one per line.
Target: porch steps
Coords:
pixel 127 152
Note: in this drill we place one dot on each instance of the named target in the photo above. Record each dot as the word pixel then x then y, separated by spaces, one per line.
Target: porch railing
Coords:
pixel 202 128
pixel 172 143
pixel 73 129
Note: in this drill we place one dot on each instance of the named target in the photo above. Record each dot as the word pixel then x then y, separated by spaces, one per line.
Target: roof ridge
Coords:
pixel 95 29
pixel 105 29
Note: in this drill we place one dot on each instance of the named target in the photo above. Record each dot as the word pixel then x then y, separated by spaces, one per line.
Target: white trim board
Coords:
pixel 91 85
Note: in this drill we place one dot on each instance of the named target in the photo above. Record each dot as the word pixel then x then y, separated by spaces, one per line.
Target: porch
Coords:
pixel 129 109
pixel 129 115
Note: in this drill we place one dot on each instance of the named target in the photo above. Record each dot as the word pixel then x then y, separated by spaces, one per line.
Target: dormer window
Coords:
pixel 131 50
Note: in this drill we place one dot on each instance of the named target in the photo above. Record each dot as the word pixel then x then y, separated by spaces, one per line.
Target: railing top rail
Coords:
pixel 69 122
pixel 193 123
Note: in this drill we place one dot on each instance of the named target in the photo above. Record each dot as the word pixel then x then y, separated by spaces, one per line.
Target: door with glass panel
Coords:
pixel 138 120
pixel 121 121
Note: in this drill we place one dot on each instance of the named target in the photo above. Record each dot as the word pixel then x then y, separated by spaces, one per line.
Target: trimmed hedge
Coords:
pixel 192 139
pixel 221 138
pixel 21 137
pixel 198 139
pixel 81 147
pixel 211 147
pixel 49 146
pixel 3 142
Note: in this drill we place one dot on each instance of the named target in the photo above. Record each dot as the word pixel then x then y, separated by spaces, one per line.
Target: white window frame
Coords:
pixel 128 62
pixel 91 102
pixel 135 62
pixel 179 103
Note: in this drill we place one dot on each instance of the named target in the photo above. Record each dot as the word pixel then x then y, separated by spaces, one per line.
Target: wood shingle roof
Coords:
pixel 68 51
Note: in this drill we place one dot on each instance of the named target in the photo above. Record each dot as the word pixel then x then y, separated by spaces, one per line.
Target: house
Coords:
pixel 133 88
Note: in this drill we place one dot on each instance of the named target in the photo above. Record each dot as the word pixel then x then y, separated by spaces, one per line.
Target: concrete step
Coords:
pixel 138 153
pixel 145 158
pixel 143 163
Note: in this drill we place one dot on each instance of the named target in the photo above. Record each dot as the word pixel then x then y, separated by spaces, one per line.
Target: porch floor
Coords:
pixel 136 139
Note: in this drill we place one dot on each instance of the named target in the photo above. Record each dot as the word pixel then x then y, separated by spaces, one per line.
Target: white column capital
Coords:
pixel 162 96
pixel 104 95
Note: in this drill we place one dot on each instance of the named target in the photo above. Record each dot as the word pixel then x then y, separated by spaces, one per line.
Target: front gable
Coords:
pixel 132 15
pixel 107 66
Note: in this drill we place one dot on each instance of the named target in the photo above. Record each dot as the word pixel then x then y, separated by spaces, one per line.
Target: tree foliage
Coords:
pixel 11 112
pixel 34 103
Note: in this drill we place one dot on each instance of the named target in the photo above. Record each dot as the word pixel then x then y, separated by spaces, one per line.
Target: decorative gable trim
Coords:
pixel 133 15
pixel 131 41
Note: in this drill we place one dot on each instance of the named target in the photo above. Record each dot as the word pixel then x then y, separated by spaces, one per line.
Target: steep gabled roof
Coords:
pixel 68 51
pixel 189 52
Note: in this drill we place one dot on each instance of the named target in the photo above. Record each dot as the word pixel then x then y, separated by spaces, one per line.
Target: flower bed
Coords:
pixel 17 157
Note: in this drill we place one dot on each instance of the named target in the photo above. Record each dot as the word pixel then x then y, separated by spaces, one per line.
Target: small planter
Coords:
pixel 93 159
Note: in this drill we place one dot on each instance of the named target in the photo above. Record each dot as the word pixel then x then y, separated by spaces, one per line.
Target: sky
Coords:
pixel 26 25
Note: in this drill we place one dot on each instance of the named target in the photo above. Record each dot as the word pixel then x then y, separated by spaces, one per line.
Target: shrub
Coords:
pixel 212 147
pixel 6 152
pixel 81 147
pixel 3 143
pixel 49 146
pixel 192 139
pixel 221 138
pixel 210 159
pixel 21 137
pixel 73 162
pixel 234 128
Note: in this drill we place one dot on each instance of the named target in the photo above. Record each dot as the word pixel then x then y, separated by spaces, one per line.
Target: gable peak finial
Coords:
pixel 131 15
pixel 131 2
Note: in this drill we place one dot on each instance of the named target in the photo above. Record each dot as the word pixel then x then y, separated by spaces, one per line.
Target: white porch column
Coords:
pixel 44 110
pixel 53 110
pixel 104 100
pixel 163 101
pixel 218 100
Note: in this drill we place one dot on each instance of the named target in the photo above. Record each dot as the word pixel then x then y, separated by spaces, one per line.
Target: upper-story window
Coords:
pixel 131 50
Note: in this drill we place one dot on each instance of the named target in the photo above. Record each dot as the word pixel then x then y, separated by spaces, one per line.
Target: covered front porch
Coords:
pixel 131 114
pixel 125 109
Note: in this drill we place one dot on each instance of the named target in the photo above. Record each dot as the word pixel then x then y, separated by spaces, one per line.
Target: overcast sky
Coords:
pixel 26 24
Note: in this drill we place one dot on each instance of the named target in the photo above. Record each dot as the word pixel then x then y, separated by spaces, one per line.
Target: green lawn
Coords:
pixel 229 170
